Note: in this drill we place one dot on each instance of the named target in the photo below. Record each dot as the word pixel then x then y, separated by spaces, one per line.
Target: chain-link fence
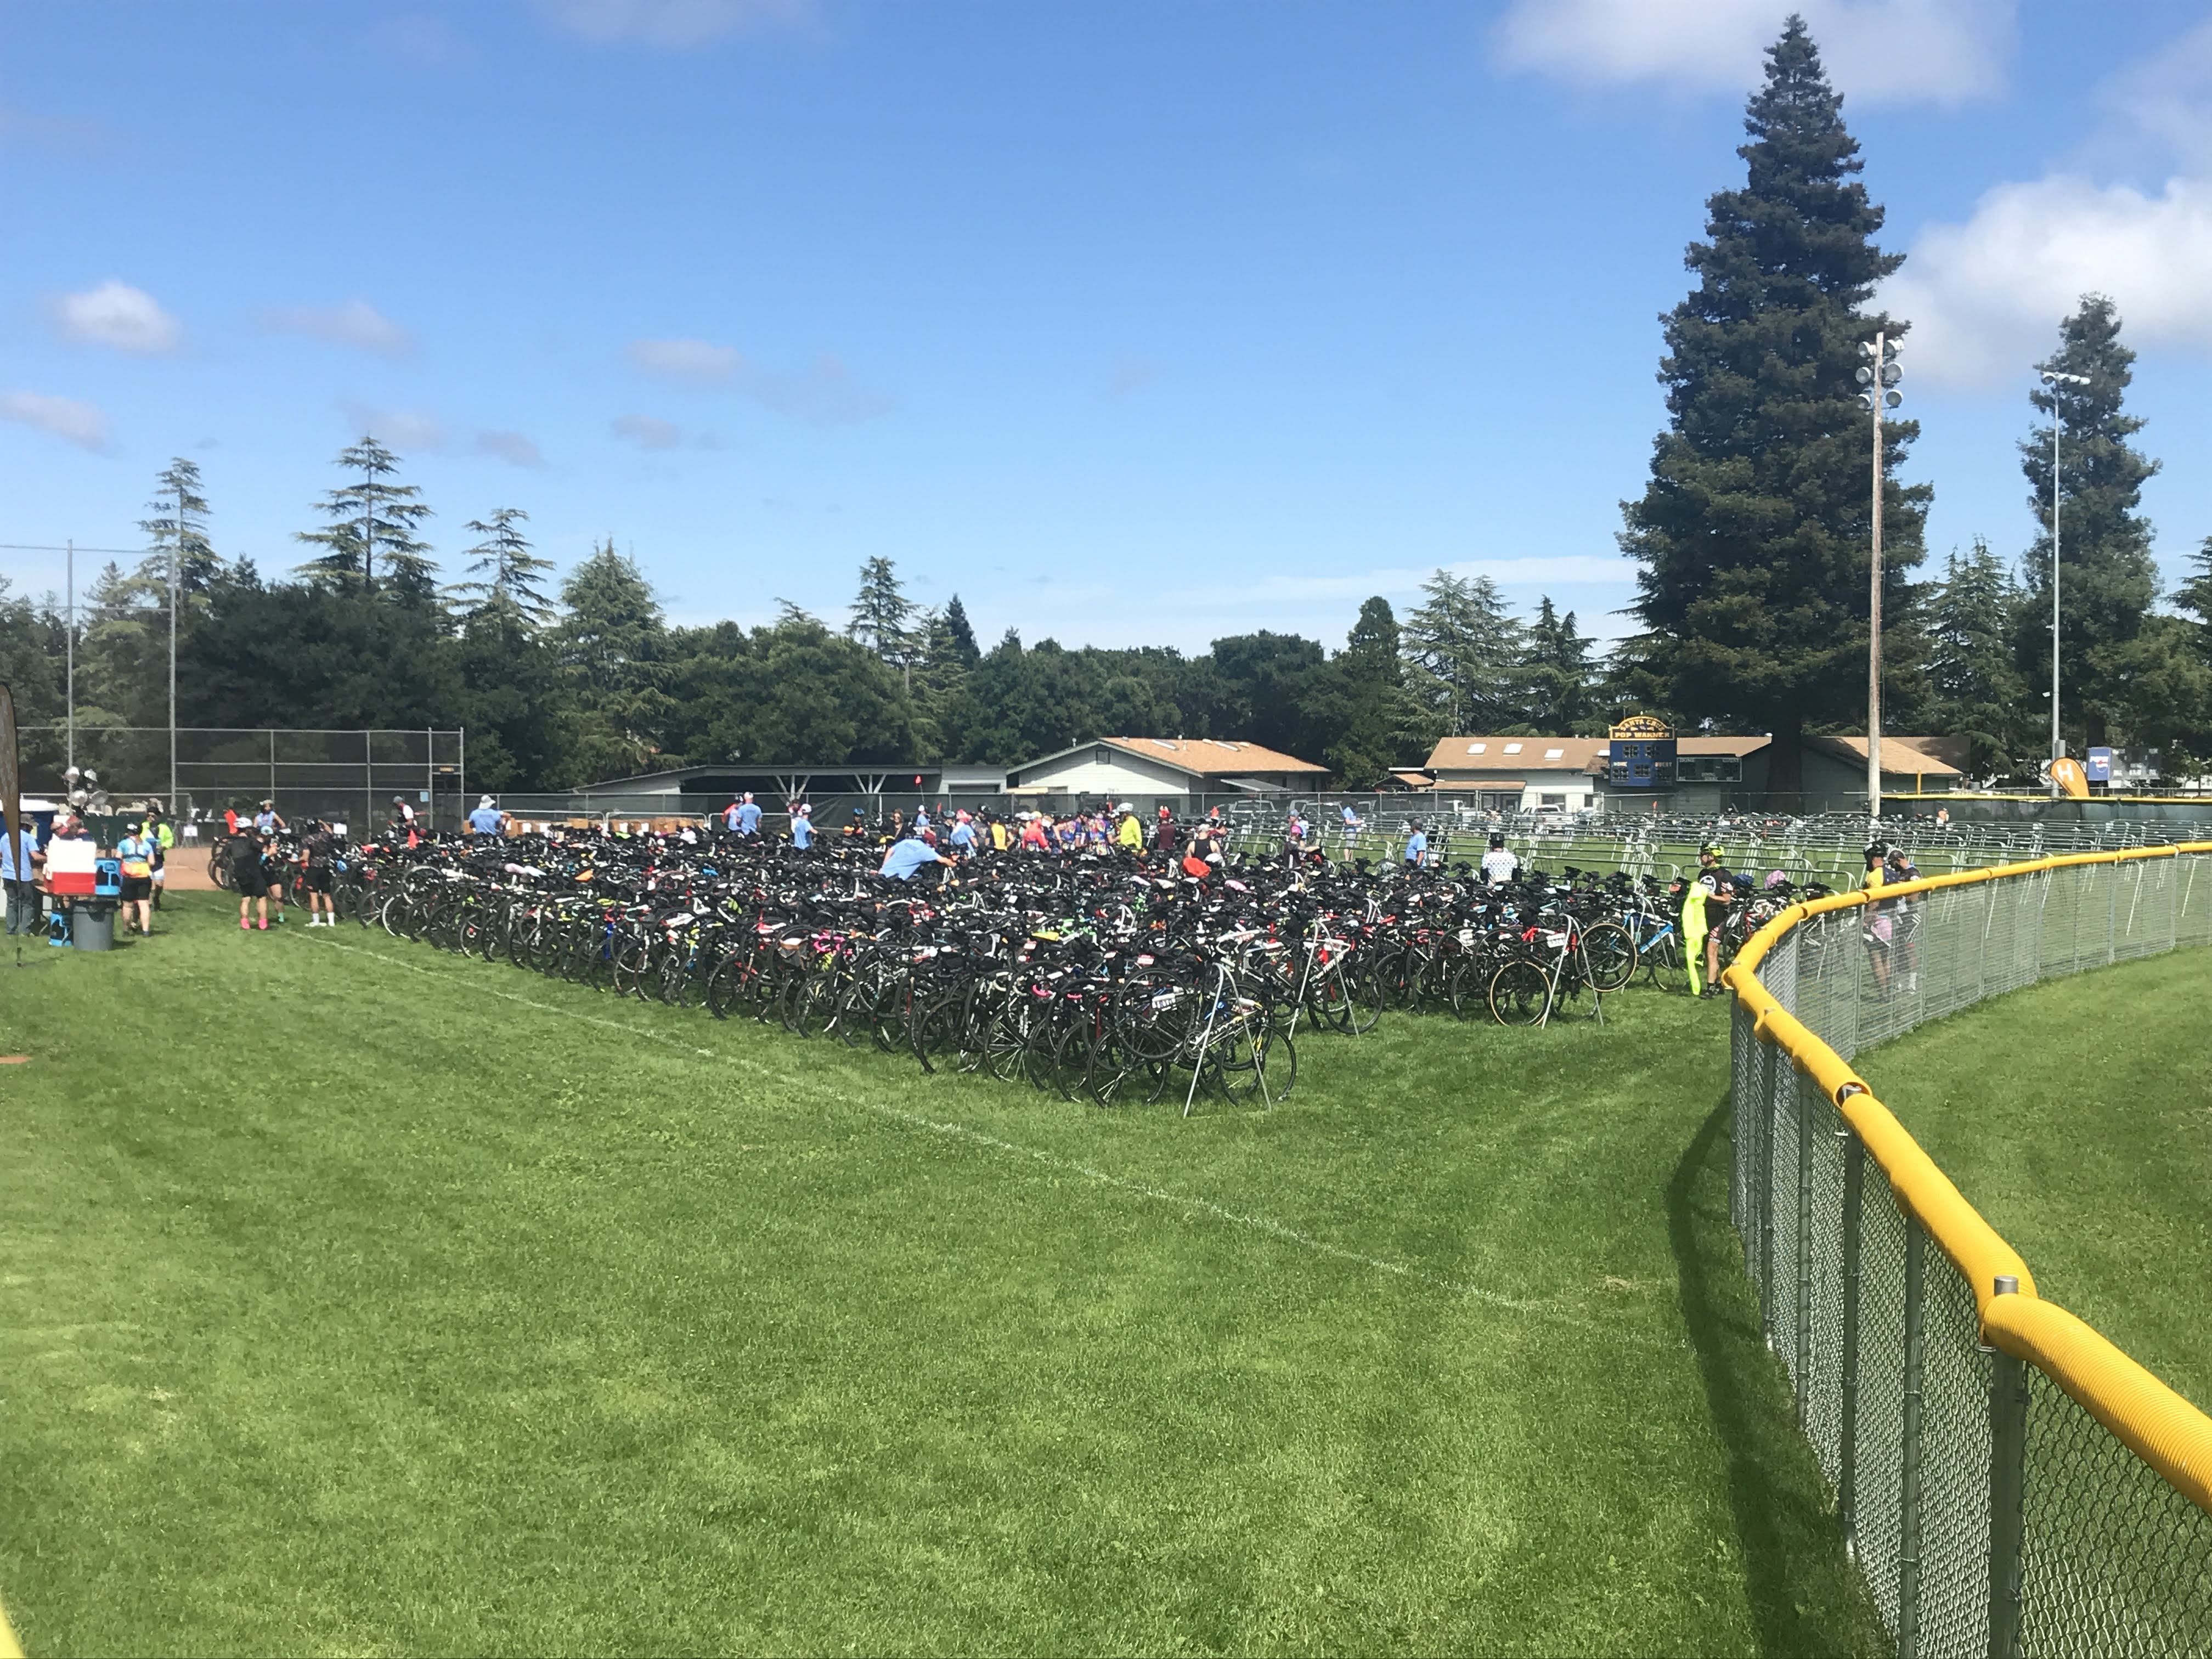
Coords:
pixel 1986 1500
pixel 348 774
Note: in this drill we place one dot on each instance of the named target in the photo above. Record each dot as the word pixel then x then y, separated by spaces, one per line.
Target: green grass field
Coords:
pixel 356 1298
pixel 2077 1117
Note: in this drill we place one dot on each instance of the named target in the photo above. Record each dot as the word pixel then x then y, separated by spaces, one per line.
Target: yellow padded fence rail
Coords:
pixel 2160 1427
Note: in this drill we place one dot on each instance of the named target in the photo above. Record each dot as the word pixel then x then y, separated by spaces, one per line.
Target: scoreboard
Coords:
pixel 1642 756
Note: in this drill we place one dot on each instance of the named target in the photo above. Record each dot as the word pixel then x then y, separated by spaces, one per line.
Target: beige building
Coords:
pixel 1114 767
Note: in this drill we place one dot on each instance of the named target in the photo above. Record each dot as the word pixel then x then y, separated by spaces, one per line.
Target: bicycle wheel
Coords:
pixel 1611 954
pixel 1261 1064
pixel 1520 994
pixel 936 1035
pixel 1662 961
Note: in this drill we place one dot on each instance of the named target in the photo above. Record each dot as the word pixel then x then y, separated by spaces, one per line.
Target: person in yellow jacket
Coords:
pixel 1130 834
pixel 1701 942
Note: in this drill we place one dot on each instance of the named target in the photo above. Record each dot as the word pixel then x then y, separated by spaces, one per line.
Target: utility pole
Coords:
pixel 69 635
pixel 1879 377
pixel 2053 378
pixel 176 590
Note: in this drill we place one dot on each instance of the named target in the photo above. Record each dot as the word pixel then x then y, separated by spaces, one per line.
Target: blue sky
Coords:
pixel 1129 322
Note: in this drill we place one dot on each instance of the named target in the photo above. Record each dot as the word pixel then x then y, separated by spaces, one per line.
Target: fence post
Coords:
pixel 1847 1472
pixel 2008 1489
pixel 1770 1055
pixel 1908 1493
pixel 1804 1297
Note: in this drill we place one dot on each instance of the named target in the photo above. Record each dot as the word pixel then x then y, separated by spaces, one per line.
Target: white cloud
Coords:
pixel 698 362
pixel 509 446
pixel 119 315
pixel 824 392
pixel 648 432
pixel 357 323
pixel 81 423
pixel 1939 51
pixel 1986 297
pixel 419 430
pixel 671 23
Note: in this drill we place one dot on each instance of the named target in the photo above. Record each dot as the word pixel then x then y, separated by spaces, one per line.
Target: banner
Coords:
pixel 11 811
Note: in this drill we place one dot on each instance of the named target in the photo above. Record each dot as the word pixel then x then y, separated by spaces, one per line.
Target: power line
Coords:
pixel 41 547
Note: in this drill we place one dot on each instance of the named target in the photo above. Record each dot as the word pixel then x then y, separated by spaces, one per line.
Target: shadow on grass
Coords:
pixel 1805 1594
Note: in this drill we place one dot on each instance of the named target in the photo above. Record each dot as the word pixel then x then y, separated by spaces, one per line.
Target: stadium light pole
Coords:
pixel 1879 377
pixel 2053 378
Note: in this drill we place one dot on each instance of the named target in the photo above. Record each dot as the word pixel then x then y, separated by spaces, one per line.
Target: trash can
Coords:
pixel 92 924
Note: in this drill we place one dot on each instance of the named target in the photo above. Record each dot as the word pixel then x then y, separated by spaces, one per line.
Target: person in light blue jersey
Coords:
pixel 1417 847
pixel 15 875
pixel 910 856
pixel 487 819
pixel 802 826
pixel 749 816
pixel 964 835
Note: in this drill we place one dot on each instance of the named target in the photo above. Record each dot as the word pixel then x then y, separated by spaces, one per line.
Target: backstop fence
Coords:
pixel 349 774
pixel 2009 1481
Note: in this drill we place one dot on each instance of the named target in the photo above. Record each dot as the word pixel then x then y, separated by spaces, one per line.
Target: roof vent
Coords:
pixel 1476 748
pixel 1553 754
pixel 1512 747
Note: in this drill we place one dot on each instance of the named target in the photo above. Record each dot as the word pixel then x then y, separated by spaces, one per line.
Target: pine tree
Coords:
pixel 372 523
pixel 1380 718
pixel 882 613
pixel 2108 580
pixel 510 576
pixel 1460 650
pixel 1753 532
pixel 613 643
pixel 181 551
pixel 1557 681
pixel 1976 689
pixel 959 636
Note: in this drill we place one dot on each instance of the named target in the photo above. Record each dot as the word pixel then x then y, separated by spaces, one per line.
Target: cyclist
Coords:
pixel 487 820
pixel 1417 846
pixel 915 853
pixel 802 826
pixel 258 877
pixel 267 822
pixel 1905 916
pixel 320 854
pixel 135 854
pixel 749 816
pixel 1701 940
pixel 1129 834
pixel 1879 929
pixel 163 835
pixel 1500 864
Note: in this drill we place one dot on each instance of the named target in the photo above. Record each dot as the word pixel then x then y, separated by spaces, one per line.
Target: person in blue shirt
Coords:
pixel 964 835
pixel 1417 847
pixel 488 819
pixel 266 819
pixel 749 816
pixel 909 856
pixel 22 897
pixel 802 826
pixel 730 817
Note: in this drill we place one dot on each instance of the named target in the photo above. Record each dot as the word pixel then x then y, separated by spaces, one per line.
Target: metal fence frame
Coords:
pixel 2009 1481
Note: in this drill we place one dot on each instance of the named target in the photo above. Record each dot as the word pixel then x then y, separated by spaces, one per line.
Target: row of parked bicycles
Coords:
pixel 1099 977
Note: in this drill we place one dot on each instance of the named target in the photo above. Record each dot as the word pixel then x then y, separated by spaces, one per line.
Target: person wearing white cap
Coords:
pixel 802 826
pixel 487 819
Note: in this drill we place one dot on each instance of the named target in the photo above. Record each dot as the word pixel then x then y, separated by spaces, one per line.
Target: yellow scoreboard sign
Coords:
pixel 1646 727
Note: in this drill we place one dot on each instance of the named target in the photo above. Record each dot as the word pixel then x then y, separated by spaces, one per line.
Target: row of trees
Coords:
pixel 1753 533
pixel 589 681
pixel 1751 538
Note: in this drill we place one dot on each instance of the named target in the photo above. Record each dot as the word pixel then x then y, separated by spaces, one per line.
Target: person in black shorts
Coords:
pixel 259 876
pixel 321 852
